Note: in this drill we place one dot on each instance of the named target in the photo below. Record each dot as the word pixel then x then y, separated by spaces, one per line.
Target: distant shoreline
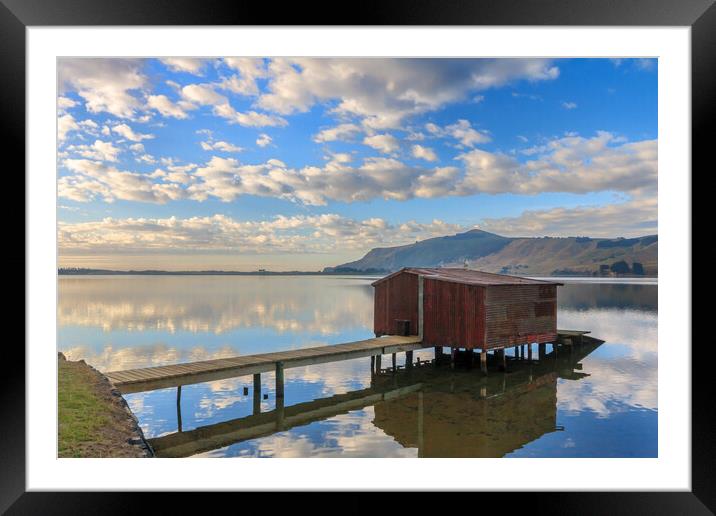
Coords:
pixel 107 272
pixel 102 272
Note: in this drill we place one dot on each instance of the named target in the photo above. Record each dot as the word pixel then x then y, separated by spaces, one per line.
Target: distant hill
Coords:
pixel 544 256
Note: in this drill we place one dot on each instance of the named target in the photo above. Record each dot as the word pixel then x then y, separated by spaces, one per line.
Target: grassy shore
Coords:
pixel 92 420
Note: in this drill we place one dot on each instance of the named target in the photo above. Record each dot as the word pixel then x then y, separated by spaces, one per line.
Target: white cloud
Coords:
pixel 250 69
pixel 99 150
pixel 385 143
pixel 462 131
pixel 93 180
pixel 383 92
pixel 636 217
pixel 125 131
pixel 425 153
pixel 66 124
pixel 168 108
pixel 106 85
pixel 202 94
pixel 263 140
pixel 64 103
pixel 341 132
pixel 569 105
pixel 220 146
pixel 191 65
pixel 570 164
pixel 205 95
pixel 300 233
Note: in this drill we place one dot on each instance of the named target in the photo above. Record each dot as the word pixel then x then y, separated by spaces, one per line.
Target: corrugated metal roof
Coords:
pixel 468 276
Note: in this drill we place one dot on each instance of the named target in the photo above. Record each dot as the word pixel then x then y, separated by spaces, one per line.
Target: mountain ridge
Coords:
pixel 547 256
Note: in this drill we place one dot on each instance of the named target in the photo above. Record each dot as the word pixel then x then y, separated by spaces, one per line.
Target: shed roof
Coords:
pixel 471 277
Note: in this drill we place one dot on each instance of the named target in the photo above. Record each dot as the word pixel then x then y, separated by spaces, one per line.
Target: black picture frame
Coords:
pixel 17 15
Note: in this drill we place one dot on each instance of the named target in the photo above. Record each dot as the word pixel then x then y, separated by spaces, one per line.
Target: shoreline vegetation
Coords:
pixel 94 420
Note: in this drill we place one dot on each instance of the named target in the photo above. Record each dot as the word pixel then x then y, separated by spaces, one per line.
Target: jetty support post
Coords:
pixel 453 352
pixel 257 394
pixel 372 364
pixel 395 362
pixel 279 413
pixel 529 352
pixel 502 359
pixel 408 359
pixel 541 351
pixel 279 380
pixel 483 361
pixel 378 359
pixel 421 444
pixel 179 408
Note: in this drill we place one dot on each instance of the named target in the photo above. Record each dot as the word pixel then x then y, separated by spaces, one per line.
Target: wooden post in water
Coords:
pixel 279 380
pixel 408 360
pixel 483 361
pixel 517 352
pixel 420 424
pixel 453 351
pixel 179 409
pixel 257 394
pixel 378 359
pixel 529 352
pixel 395 362
pixel 279 413
pixel 541 351
pixel 503 359
pixel 372 364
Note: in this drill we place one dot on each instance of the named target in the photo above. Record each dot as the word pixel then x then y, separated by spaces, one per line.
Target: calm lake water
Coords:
pixel 598 401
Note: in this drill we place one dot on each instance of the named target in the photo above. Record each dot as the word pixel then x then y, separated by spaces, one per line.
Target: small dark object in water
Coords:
pixel 246 391
pixel 265 396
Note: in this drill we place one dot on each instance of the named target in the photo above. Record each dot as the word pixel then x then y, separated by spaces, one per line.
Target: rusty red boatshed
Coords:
pixel 468 309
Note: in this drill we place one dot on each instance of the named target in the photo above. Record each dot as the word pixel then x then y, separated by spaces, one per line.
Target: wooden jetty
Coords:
pixel 441 413
pixel 159 377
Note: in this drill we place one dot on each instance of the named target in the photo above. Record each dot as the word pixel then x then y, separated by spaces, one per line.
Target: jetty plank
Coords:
pixel 158 377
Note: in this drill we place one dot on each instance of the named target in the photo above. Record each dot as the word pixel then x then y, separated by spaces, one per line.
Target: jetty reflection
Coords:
pixel 428 406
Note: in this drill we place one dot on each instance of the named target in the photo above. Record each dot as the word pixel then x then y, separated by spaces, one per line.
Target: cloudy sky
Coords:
pixel 242 163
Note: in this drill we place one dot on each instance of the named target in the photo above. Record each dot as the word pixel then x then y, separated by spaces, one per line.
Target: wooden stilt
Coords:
pixel 453 351
pixel 483 361
pixel 279 413
pixel 517 352
pixel 420 423
pixel 372 364
pixel 529 352
pixel 179 408
pixel 541 351
pixel 395 362
pixel 378 359
pixel 279 380
pixel 408 359
pixel 503 359
pixel 257 394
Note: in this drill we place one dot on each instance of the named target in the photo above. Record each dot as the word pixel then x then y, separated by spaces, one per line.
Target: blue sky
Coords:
pixel 239 163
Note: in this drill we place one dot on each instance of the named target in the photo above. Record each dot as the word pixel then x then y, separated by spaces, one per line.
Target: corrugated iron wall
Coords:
pixel 520 314
pixel 396 298
pixel 454 314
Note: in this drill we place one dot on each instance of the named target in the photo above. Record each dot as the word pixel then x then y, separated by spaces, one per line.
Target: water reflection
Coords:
pixel 441 413
pixel 215 304
pixel 125 322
